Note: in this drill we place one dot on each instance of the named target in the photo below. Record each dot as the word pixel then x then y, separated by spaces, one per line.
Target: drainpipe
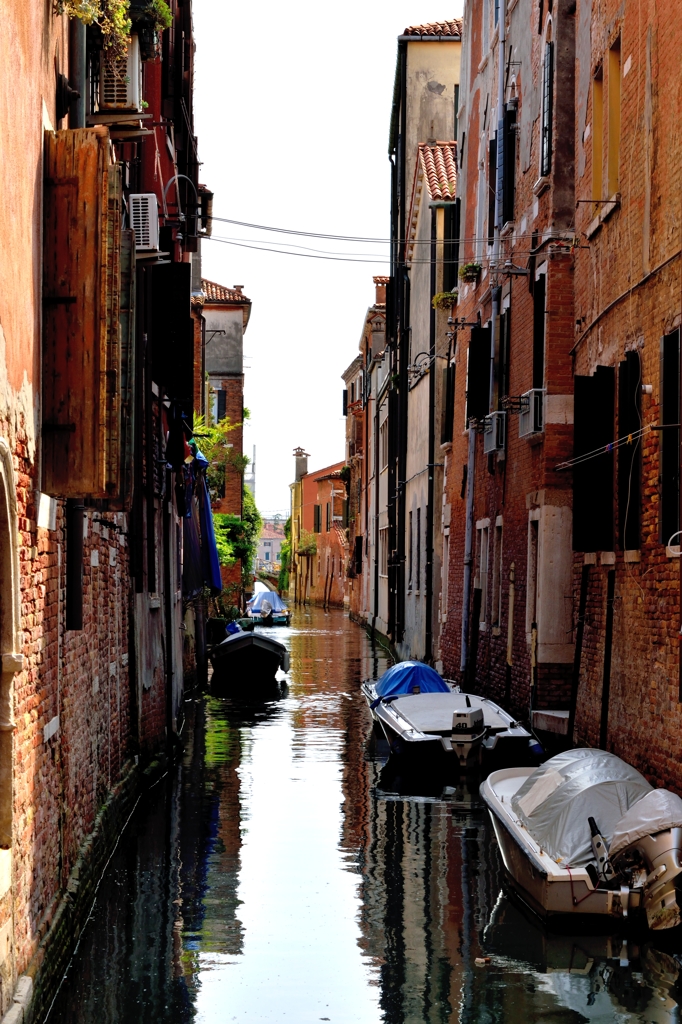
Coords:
pixel 77 72
pixel 575 682
pixel 468 547
pixel 428 639
pixel 499 197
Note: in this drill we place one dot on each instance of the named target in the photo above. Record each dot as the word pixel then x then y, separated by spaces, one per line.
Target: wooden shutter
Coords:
pixel 593 426
pixel 81 333
pixel 669 462
pixel 629 455
pixel 172 332
pixel 478 374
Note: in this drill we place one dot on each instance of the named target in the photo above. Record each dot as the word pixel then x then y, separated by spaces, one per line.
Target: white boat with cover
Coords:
pixel 585 833
pixel 420 713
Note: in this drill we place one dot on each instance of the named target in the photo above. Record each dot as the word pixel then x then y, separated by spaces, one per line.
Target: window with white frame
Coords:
pixel 532 573
pixel 547 104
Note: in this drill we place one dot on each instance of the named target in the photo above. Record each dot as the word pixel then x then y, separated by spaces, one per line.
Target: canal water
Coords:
pixel 285 873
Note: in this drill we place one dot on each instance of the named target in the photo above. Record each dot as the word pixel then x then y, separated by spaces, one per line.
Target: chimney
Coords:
pixel 380 286
pixel 301 458
pixel 237 288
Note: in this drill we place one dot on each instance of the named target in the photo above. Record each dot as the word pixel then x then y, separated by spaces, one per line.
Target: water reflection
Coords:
pixel 290 871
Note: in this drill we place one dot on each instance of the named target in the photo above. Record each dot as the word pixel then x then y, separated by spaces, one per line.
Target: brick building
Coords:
pixel 101 352
pixel 319 546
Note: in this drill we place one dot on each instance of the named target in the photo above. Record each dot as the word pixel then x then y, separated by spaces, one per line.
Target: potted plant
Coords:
pixel 470 271
pixel 150 18
pixel 444 300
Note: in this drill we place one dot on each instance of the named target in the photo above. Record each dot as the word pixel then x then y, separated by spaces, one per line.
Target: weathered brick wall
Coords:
pixel 629 294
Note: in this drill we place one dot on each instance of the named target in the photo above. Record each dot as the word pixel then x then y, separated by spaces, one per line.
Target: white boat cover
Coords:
pixel 655 812
pixel 555 802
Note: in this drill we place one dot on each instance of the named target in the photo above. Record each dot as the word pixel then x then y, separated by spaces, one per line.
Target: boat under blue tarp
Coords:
pixel 410 677
pixel 275 601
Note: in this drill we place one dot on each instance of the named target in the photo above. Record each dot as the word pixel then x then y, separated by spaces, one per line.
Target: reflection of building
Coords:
pixel 319 547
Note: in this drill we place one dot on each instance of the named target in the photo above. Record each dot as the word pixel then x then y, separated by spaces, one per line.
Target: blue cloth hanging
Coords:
pixel 209 550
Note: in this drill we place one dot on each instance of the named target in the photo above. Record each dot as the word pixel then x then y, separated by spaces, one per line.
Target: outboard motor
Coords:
pixel 655 863
pixel 468 729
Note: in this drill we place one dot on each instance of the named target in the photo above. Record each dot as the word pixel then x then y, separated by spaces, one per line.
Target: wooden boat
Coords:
pixel 586 834
pixel 244 659
pixel 422 715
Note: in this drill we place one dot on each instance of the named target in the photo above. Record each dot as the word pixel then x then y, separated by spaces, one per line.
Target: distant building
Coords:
pixel 270 544
pixel 319 543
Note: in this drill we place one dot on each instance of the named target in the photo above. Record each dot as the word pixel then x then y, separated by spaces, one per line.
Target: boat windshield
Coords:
pixel 411 677
pixel 555 802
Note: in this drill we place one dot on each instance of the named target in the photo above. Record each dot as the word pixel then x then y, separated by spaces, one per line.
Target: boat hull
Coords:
pixel 246 660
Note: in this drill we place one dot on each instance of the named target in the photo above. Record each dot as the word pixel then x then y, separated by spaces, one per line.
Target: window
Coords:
pixel 445 571
pixel 267 543
pixel 220 399
pixel 383 552
pixel 532 576
pixel 492 187
pixel 629 455
pixel 597 135
pixel 547 108
pixel 670 438
pixel 448 405
pixel 539 318
pixel 451 247
pixel 328 517
pixel 478 374
pixel 613 159
pixel 317 518
pixel 481 578
pixel 418 572
pixel 358 555
pixel 267 556
pixel 509 179
pixel 383 444
pixel 503 350
pixel 496 616
pixel 352 393
pixel 410 547
pixel 345 402
pixel 593 424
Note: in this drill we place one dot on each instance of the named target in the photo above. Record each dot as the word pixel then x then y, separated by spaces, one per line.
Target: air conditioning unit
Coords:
pixel 494 432
pixel 120 81
pixel 144 220
pixel 531 418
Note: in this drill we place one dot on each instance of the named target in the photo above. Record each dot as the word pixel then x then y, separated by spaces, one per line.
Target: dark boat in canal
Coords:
pixel 247 659
pixel 423 716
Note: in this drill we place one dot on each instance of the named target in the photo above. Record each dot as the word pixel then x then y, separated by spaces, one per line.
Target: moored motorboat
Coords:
pixel 421 714
pixel 267 607
pixel 245 659
pixel 586 834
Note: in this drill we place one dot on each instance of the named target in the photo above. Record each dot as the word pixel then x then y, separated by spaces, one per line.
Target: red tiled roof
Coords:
pixel 380 279
pixel 437 28
pixel 219 293
pixel 438 162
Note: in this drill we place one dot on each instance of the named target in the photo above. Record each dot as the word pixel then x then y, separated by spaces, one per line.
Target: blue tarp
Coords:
pixel 411 677
pixel 276 602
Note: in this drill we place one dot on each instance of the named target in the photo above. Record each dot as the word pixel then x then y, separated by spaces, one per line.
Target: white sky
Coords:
pixel 292 109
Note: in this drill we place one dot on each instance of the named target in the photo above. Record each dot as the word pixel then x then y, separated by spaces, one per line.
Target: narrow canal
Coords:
pixel 283 873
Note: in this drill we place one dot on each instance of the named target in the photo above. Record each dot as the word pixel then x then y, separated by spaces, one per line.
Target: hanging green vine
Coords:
pixel 111 16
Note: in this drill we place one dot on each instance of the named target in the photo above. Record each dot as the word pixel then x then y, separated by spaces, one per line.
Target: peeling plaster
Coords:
pixel 19 410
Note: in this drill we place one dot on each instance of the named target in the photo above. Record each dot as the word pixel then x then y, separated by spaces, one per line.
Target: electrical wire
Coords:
pixel 628 439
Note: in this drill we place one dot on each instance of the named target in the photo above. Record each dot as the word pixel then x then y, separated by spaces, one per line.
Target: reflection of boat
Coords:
pixel 245 659
pixel 428 786
pixel 268 607
pixel 420 713
pixel 586 833
pixel 598 977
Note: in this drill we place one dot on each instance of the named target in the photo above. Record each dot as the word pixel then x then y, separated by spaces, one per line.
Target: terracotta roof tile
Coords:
pixel 438 162
pixel 219 293
pixel 437 28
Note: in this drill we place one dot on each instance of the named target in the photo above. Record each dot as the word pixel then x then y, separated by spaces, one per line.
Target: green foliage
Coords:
pixel 161 14
pixel 238 538
pixel 214 444
pixel 469 271
pixel 307 544
pixel 284 559
pixel 444 300
pixel 110 15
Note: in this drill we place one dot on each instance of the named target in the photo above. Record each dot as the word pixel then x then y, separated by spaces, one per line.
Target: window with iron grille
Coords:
pixel 547 111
